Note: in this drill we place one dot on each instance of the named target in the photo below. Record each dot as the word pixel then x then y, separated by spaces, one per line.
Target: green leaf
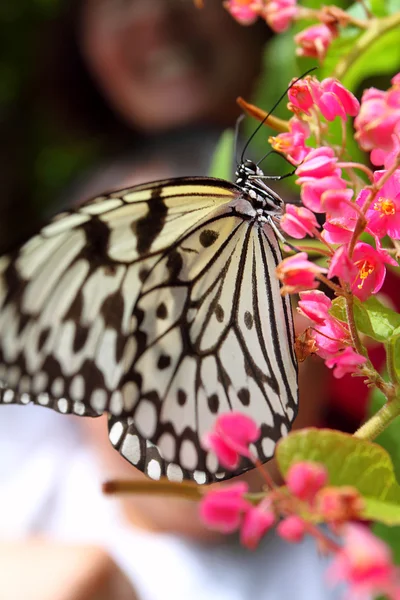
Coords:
pixel 349 461
pixel 393 6
pixel 378 8
pixel 340 47
pixel 222 160
pixel 372 318
pixel 396 356
pixel 375 52
pixel 381 511
pixel 390 440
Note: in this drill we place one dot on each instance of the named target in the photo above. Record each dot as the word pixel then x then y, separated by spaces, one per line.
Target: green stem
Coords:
pixel 390 348
pixel 379 421
pixel 377 27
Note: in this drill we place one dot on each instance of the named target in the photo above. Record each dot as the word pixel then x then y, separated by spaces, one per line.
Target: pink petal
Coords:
pixel 314 305
pixel 257 521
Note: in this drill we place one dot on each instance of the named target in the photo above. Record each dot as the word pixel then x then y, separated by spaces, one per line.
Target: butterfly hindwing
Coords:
pixel 209 341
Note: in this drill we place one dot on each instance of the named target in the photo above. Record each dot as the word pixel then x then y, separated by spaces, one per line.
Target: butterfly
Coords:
pixel 159 305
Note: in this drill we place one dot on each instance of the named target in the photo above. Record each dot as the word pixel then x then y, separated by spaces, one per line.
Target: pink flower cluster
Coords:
pixel 349 206
pixel 229 508
pixel 309 100
pixel 331 336
pixel 277 13
pixel 378 122
pixel 365 564
pixel 313 41
pixel 362 561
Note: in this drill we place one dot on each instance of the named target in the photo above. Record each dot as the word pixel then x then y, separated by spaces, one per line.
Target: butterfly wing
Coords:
pixel 66 295
pixel 159 305
pixel 213 334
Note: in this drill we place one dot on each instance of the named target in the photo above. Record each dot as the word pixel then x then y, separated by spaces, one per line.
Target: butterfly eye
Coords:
pixel 251 166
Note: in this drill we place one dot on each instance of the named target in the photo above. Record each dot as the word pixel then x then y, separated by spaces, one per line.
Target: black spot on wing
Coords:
pixel 143 273
pixel 182 397
pixel 174 264
pixel 248 319
pixel 149 227
pixel 219 313
pixel 208 237
pixel 244 396
pixel 164 361
pixel 97 236
pixel 80 338
pixel 161 311
pixel 213 403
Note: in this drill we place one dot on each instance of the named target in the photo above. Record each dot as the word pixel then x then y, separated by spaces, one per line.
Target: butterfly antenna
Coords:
pixel 272 110
pixel 278 154
pixel 236 140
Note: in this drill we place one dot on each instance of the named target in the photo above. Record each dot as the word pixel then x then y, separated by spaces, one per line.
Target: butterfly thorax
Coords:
pixel 267 203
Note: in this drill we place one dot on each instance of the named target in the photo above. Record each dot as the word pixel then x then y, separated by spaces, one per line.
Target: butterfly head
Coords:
pixel 251 179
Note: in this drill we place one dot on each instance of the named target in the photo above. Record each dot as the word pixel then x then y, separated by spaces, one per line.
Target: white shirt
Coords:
pixel 50 484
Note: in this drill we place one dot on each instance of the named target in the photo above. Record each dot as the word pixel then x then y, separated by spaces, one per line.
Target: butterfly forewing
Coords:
pixel 159 305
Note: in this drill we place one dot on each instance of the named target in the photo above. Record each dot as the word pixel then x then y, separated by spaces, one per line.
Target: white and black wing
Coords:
pixel 160 306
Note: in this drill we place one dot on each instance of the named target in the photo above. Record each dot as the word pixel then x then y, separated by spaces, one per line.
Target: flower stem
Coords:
pixel 187 490
pixel 355 338
pixel 390 348
pixel 376 28
pixel 379 421
pixel 354 165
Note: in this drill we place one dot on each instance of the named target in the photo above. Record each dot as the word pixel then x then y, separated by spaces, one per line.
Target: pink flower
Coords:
pixel 298 222
pixel 233 432
pixel 330 337
pixel 365 271
pixel 245 12
pixel 333 100
pixel 305 479
pixel 336 201
pixel 257 521
pixel 313 190
pixel 314 41
pixel 279 14
pixel 342 266
pixel 393 155
pixel 371 270
pixel 383 214
pixel 300 97
pixel 377 120
pixel 314 305
pixel 338 231
pixel 342 217
pixel 317 174
pixel 292 143
pixel 291 529
pixel 319 163
pixel 297 273
pixel 365 564
pixel 339 504
pixel 347 361
pixel 222 509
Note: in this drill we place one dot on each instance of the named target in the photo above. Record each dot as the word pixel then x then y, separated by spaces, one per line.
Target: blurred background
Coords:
pixel 96 95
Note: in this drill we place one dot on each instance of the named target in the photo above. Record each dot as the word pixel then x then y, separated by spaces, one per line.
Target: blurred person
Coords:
pixel 154 82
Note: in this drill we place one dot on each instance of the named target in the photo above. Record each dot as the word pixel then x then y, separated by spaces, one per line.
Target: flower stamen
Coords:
pixel 385 206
